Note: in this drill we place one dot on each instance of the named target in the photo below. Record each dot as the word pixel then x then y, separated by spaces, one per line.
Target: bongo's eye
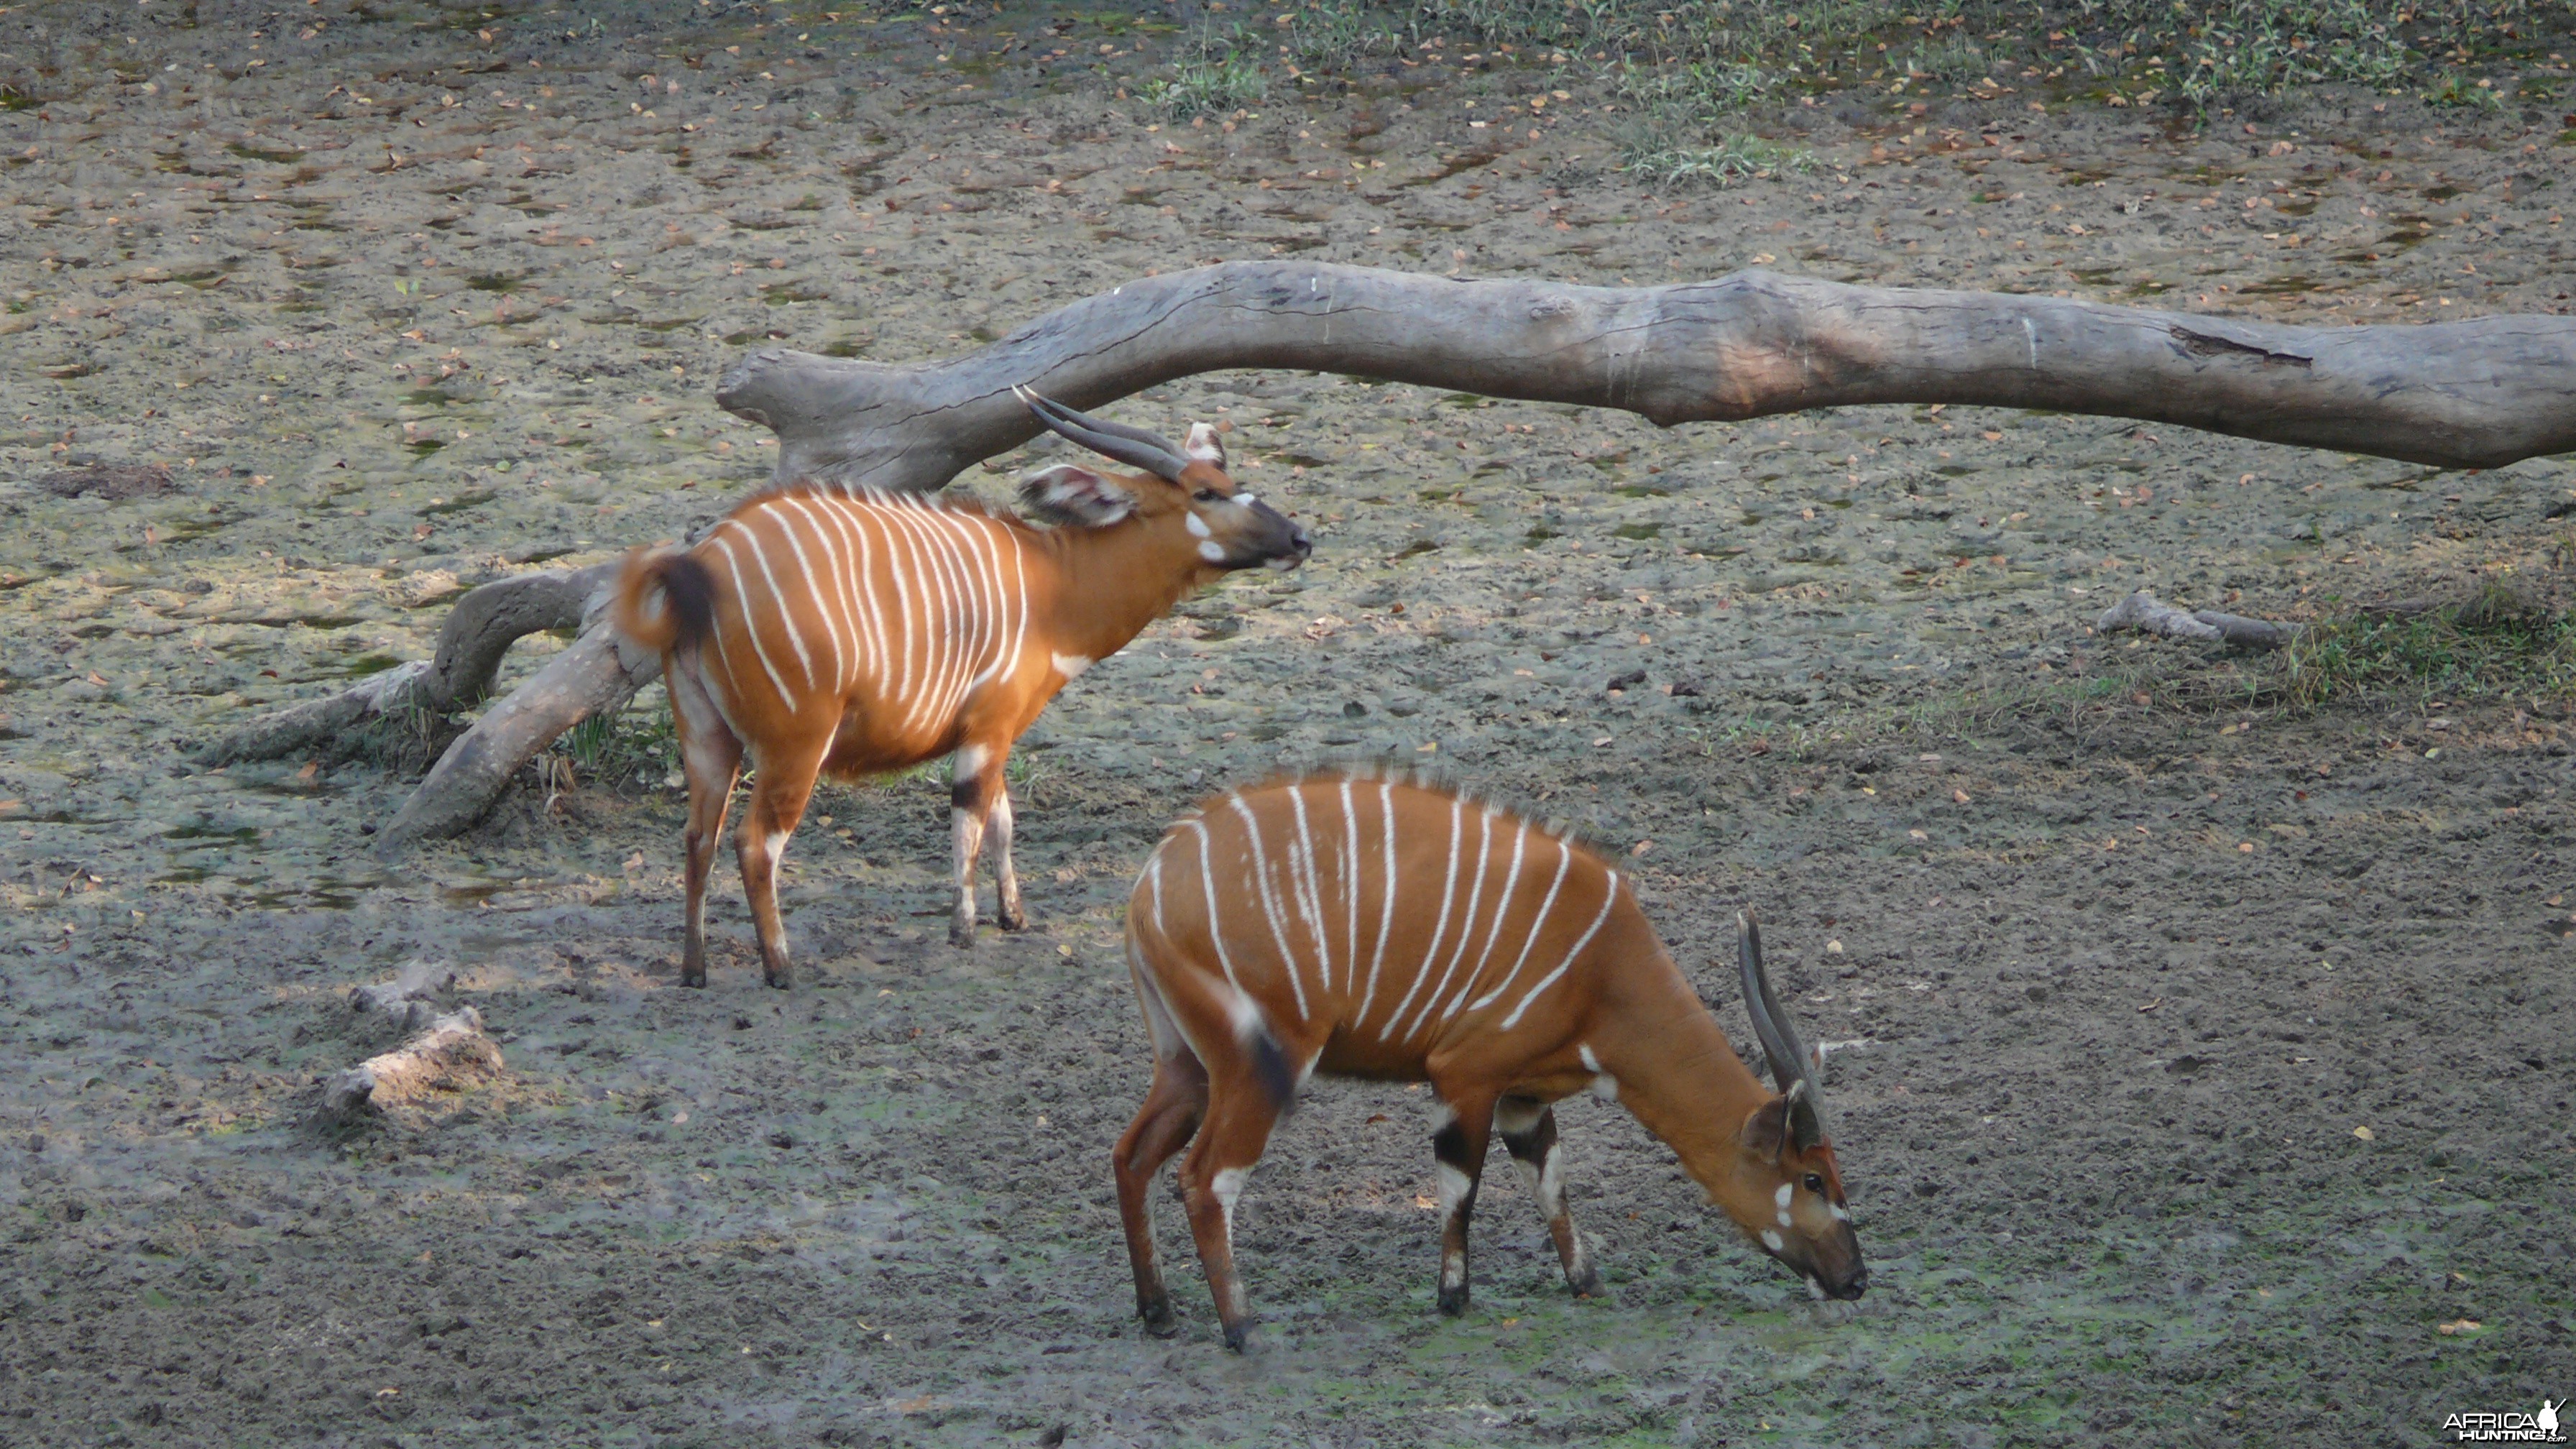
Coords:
pixel 1816 1184
pixel 1208 495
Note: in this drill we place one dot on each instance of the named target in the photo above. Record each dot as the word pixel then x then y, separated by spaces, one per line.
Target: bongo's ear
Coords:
pixel 1070 494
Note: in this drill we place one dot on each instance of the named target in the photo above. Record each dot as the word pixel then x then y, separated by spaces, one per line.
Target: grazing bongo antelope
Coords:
pixel 864 632
pixel 1381 926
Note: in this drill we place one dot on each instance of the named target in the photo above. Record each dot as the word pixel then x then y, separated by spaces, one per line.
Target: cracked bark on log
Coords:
pixel 2479 393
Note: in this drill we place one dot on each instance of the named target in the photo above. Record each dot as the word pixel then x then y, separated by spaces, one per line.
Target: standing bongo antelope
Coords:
pixel 864 632
pixel 1380 926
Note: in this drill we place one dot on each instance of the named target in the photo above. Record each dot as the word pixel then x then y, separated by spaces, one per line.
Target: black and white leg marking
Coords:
pixel 966 828
pixel 1529 1134
pixel 1006 879
pixel 1459 1146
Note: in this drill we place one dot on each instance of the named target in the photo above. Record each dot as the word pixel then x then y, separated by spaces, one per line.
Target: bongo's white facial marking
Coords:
pixel 1780 1200
pixel 1197 526
pixel 1841 1214
pixel 1773 1240
pixel 1209 548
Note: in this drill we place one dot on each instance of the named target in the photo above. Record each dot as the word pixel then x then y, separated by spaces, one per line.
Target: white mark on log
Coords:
pixel 2031 335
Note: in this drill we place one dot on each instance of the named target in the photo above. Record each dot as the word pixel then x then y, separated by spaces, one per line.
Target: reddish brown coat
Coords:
pixel 1382 926
pixel 856 633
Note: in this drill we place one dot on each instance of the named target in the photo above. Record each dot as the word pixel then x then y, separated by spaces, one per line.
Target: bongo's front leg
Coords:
pixel 972 799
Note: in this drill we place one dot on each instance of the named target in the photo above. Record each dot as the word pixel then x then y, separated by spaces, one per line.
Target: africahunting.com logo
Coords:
pixel 2510 1427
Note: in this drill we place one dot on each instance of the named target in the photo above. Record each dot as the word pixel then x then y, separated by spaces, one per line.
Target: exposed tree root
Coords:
pixel 479 630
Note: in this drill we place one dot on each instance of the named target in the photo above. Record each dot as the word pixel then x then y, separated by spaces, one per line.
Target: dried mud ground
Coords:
pixel 2202 1074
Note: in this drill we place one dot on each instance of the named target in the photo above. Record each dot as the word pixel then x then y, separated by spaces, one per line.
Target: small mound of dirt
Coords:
pixel 117 481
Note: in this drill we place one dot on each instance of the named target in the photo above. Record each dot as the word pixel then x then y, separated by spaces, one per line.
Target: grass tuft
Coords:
pixel 2499 645
pixel 1224 76
pixel 1730 160
pixel 1335 35
pixel 1686 68
pixel 636 746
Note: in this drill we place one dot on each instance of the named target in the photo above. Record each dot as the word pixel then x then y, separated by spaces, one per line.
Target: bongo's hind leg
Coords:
pixel 1164 1125
pixel 712 757
pixel 778 794
pixel 1240 1114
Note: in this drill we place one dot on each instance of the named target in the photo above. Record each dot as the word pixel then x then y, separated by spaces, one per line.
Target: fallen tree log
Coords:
pixel 2472 394
pixel 451 1056
pixel 2147 614
pixel 597 675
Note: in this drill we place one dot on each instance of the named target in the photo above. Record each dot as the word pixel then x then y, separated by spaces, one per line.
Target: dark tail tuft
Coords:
pixel 688 595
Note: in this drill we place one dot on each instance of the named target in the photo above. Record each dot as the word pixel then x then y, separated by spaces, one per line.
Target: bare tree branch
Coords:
pixel 2480 393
